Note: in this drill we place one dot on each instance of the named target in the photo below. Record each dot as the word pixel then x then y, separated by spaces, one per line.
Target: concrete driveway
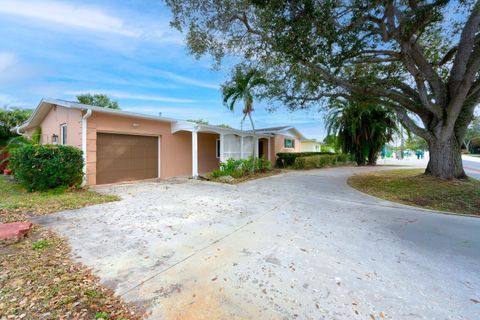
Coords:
pixel 298 245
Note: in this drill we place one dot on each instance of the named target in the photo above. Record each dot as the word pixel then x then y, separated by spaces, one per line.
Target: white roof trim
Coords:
pixel 198 127
pixel 46 104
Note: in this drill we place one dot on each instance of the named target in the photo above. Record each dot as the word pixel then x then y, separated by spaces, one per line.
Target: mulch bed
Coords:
pixel 39 280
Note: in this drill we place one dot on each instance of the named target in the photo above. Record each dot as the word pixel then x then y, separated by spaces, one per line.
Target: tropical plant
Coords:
pixel 418 58
pixel 362 129
pixel 242 86
pixel 98 100
pixel 238 168
pixel 11 117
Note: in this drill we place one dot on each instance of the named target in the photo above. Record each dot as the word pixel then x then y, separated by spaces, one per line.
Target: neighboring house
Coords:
pixel 125 146
pixel 310 145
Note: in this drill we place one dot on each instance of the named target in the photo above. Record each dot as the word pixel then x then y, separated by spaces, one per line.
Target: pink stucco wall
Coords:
pixel 175 149
pixel 55 118
pixel 207 152
pixel 279 144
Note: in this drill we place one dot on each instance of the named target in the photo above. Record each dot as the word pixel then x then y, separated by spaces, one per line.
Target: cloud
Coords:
pixel 6 99
pixel 133 96
pixel 7 60
pixel 87 17
pixel 186 80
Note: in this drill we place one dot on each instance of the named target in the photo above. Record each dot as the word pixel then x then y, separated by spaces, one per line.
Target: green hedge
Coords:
pixel 321 161
pixel 43 167
pixel 287 159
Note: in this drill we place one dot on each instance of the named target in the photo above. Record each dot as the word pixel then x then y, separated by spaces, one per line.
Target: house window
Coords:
pixel 317 147
pixel 218 148
pixel 289 143
pixel 63 134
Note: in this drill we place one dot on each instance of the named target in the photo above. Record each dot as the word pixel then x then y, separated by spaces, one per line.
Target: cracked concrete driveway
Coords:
pixel 298 245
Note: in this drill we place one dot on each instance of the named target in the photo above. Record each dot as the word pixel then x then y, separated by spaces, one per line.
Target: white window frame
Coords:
pixel 63 128
pixel 217 148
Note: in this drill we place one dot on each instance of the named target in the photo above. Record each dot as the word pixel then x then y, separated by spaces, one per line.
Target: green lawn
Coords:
pixel 412 187
pixel 16 204
pixel 475 155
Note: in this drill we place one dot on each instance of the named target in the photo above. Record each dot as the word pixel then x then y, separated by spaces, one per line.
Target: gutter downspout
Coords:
pixel 84 144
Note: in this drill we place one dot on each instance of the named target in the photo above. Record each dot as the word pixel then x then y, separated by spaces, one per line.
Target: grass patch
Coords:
pixel 47 284
pixel 16 204
pixel 40 244
pixel 412 187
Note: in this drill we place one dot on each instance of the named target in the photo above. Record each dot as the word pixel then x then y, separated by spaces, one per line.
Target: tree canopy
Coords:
pixel 11 117
pixel 98 100
pixel 419 58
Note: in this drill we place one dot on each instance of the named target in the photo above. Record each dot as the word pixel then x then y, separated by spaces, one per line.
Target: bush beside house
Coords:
pixel 43 167
pixel 241 167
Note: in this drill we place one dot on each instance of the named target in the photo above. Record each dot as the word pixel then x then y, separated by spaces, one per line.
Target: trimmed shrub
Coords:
pixel 321 161
pixel 287 159
pixel 242 167
pixel 43 167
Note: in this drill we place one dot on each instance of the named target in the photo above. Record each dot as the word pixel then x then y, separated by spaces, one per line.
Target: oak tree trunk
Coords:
pixel 445 159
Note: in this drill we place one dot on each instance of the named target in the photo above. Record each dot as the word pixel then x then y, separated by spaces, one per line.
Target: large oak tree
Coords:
pixel 419 58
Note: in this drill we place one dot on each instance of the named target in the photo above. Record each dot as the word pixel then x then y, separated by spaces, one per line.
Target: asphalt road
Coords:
pixel 472 168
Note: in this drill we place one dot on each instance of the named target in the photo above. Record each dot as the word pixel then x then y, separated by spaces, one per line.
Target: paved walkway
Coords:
pixel 301 245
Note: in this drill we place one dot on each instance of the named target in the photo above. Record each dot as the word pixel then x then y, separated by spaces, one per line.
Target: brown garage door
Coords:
pixel 122 157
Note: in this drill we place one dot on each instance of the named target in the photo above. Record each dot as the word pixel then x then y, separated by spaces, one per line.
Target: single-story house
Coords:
pixel 310 145
pixel 124 146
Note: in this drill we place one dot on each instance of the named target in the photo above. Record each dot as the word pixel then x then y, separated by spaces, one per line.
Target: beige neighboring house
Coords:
pixel 310 145
pixel 124 146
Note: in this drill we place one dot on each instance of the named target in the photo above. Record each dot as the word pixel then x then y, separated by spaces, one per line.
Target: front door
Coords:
pixel 261 148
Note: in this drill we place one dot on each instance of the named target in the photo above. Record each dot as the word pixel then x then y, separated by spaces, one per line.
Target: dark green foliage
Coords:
pixel 287 159
pixel 242 167
pixel 321 161
pixel 10 118
pixel 362 129
pixel 43 167
pixel 98 100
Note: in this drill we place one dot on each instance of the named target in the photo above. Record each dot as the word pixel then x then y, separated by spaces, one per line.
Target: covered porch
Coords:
pixel 229 144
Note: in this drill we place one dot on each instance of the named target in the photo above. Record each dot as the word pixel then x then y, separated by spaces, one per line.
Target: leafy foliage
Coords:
pixel 473 132
pixel 416 143
pixel 241 167
pixel 243 86
pixel 10 118
pixel 43 167
pixel 321 161
pixel 98 100
pixel 418 58
pixel 287 159
pixel 362 130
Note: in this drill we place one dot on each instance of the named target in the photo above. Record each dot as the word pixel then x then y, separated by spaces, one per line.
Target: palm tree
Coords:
pixel 362 129
pixel 242 87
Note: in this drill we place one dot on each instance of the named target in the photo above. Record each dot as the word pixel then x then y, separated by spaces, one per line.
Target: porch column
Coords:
pixel 222 147
pixel 241 147
pixel 194 153
pixel 268 148
pixel 256 147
